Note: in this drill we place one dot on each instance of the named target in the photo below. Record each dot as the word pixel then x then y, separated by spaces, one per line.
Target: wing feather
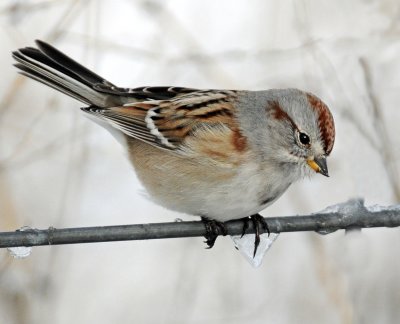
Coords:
pixel 168 124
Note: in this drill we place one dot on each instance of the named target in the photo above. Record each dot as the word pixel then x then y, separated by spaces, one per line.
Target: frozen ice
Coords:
pixel 20 252
pixel 378 208
pixel 353 205
pixel 375 208
pixel 245 245
pixel 330 209
pixel 346 209
pixel 343 208
pixel 325 231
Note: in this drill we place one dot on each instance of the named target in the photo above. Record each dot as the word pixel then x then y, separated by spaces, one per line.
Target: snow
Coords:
pixel 245 245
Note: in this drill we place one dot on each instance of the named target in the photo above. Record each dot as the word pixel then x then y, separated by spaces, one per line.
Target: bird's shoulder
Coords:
pixel 191 122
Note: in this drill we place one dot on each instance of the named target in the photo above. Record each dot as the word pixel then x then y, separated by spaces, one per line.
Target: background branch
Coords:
pixel 350 215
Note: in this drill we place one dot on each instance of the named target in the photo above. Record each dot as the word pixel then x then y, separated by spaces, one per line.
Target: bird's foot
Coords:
pixel 213 230
pixel 258 223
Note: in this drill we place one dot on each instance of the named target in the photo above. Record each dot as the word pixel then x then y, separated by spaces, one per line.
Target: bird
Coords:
pixel 218 154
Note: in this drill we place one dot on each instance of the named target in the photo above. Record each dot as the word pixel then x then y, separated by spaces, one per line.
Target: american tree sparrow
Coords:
pixel 218 154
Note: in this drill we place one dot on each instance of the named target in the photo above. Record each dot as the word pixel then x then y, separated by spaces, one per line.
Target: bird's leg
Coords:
pixel 213 230
pixel 258 223
pixel 246 222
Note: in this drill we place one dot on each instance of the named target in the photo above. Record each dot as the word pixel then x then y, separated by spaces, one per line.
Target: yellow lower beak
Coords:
pixel 313 165
pixel 319 165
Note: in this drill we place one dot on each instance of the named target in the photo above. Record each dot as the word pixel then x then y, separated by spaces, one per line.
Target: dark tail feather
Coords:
pixel 53 68
pixel 68 64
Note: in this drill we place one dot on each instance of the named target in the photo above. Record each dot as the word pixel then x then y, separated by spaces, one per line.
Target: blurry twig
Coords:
pixel 103 44
pixel 350 215
pixel 10 93
pixel 66 18
pixel 380 127
pixel 14 162
pixel 171 27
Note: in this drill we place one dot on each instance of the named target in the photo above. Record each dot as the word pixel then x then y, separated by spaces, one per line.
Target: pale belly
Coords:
pixel 203 190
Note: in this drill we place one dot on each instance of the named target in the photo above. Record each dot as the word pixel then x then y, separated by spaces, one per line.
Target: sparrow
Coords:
pixel 218 154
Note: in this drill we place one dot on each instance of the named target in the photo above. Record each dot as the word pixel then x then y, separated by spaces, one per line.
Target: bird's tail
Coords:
pixel 48 65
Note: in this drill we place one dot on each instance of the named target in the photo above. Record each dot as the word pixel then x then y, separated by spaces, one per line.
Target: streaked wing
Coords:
pixel 169 123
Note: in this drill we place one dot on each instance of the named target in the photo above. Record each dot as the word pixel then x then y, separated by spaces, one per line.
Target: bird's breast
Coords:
pixel 186 186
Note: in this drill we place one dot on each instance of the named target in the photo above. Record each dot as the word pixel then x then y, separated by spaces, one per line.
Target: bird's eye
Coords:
pixel 304 139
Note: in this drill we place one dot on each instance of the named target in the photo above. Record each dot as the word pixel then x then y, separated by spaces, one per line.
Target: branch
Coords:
pixel 350 215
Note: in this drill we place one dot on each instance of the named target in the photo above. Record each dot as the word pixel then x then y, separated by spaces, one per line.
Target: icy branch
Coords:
pixel 350 215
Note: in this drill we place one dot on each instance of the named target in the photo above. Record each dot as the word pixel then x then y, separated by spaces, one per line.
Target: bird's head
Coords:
pixel 303 129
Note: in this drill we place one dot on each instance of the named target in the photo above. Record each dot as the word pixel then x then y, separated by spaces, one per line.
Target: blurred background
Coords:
pixel 57 168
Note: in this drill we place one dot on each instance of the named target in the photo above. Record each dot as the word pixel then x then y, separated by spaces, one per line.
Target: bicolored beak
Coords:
pixel 318 164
